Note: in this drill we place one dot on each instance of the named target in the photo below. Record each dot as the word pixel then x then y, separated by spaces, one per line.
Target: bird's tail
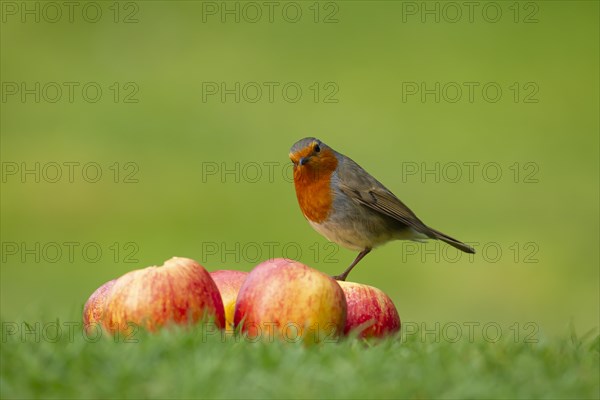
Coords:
pixel 432 233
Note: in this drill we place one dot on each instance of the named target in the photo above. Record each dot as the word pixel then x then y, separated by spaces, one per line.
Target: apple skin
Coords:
pixel 181 292
pixel 288 300
pixel 93 310
pixel 370 311
pixel 229 283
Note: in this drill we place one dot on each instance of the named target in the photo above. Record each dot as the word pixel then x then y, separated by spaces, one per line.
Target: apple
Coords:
pixel 371 313
pixel 288 300
pixel 181 291
pixel 93 309
pixel 229 283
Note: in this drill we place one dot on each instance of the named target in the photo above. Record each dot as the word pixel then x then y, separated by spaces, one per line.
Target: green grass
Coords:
pixel 195 363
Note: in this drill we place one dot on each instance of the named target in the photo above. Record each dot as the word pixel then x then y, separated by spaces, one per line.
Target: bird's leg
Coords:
pixel 344 275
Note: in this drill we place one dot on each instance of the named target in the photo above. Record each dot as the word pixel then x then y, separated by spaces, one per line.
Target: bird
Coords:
pixel 348 206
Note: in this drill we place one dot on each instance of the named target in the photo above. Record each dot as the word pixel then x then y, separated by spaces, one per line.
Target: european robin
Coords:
pixel 344 203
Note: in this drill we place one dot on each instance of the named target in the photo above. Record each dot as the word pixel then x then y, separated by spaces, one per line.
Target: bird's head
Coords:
pixel 310 154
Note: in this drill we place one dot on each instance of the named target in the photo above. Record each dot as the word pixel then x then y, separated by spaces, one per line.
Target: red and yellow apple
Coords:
pixel 371 313
pixel 229 283
pixel 93 310
pixel 181 292
pixel 288 300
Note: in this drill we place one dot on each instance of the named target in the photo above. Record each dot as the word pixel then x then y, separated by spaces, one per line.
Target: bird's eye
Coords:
pixel 316 148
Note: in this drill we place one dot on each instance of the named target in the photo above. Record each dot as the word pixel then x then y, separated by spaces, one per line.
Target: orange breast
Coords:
pixel 312 182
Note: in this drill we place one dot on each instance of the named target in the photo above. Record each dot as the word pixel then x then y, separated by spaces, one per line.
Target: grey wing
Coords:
pixel 361 187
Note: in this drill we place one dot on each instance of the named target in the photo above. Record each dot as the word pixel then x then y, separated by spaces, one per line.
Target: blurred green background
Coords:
pixel 546 224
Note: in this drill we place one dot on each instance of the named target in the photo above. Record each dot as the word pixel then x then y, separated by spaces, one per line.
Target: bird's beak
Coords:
pixel 303 160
